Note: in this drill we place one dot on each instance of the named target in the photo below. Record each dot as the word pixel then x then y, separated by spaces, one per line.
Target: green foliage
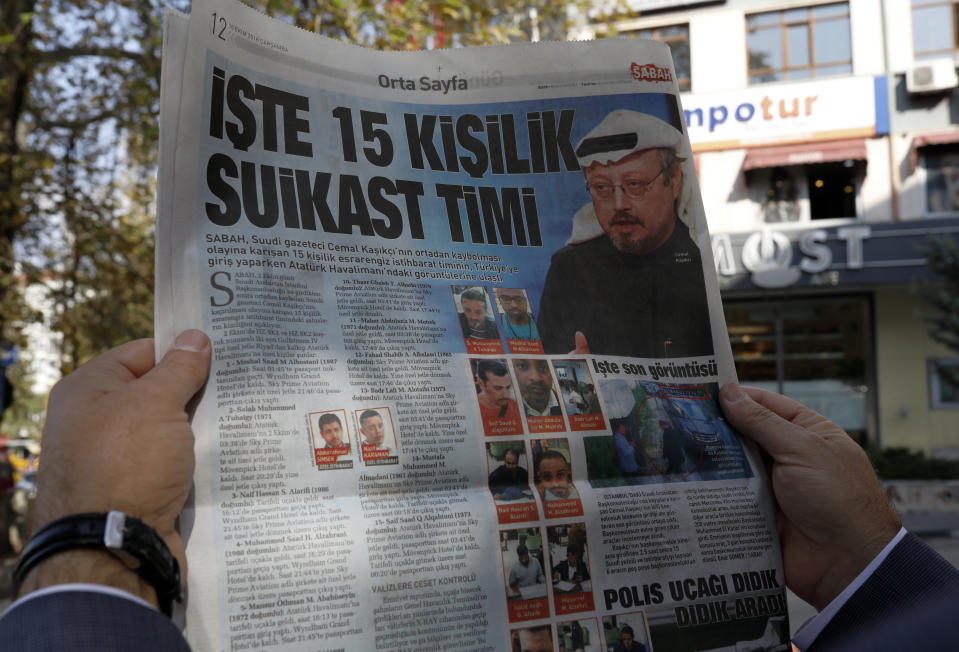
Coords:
pixel 79 93
pixel 78 121
pixel 942 257
pixel 25 416
pixel 906 464
pixel 416 24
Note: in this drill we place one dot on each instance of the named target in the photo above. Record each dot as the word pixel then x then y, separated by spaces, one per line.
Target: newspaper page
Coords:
pixel 467 348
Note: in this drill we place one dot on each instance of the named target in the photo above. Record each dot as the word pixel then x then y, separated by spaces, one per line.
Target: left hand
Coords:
pixel 581 346
pixel 118 437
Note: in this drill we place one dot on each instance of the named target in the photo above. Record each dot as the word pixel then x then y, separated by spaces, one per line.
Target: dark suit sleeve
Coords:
pixel 911 602
pixel 87 621
pixel 582 570
pixel 554 326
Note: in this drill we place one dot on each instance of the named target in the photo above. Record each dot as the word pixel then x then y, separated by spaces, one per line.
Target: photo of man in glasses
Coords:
pixel 518 323
pixel 630 280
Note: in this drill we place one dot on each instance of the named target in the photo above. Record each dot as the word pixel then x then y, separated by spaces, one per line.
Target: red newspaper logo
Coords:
pixel 650 72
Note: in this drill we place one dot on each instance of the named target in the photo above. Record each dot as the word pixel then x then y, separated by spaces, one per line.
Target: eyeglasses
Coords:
pixel 510 299
pixel 632 188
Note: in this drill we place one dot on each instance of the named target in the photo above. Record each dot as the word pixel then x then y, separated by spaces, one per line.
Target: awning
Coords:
pixel 934 138
pixel 827 151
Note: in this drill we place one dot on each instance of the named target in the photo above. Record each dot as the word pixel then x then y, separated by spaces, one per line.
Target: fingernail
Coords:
pixel 732 393
pixel 191 340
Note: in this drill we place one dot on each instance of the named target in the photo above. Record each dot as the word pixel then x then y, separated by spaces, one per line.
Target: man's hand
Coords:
pixel 833 516
pixel 117 437
pixel 580 344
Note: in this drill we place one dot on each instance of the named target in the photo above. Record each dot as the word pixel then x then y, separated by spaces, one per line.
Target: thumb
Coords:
pixel 582 346
pixel 183 369
pixel 776 435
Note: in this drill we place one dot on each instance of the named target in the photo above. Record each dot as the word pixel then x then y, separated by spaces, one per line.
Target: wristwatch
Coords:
pixel 130 540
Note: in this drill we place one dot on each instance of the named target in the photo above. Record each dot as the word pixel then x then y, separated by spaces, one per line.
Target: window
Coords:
pixel 677 38
pixel 781 203
pixel 942 178
pixel 832 190
pixel 934 28
pixel 829 189
pixel 944 383
pixel 816 351
pixel 799 43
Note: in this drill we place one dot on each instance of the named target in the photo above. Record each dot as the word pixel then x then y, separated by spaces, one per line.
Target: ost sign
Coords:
pixel 772 261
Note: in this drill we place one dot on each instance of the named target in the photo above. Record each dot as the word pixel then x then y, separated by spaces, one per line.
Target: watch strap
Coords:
pixel 131 540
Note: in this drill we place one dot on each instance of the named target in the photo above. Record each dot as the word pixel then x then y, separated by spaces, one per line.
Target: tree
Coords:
pixel 79 85
pixel 942 257
pixel 417 24
pixel 16 35
pixel 79 91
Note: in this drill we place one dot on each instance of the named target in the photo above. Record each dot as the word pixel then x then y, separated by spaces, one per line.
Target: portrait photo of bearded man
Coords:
pixel 630 279
pixel 518 323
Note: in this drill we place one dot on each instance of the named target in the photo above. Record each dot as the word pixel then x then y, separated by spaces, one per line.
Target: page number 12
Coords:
pixel 221 22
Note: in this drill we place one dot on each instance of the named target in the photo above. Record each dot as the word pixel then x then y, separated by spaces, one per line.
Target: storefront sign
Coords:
pixel 853 254
pixel 847 107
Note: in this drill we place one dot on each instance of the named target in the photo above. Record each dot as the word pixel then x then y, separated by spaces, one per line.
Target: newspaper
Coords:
pixel 458 397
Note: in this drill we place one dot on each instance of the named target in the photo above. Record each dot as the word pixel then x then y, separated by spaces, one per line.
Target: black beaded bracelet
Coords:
pixel 130 540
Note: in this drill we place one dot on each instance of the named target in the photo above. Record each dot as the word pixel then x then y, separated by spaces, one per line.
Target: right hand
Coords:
pixel 833 515
pixel 581 346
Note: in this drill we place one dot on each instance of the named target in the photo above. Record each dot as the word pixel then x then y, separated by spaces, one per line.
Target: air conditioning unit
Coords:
pixel 932 76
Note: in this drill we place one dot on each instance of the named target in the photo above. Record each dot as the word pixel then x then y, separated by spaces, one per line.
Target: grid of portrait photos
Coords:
pixel 530 407
pixel 554 426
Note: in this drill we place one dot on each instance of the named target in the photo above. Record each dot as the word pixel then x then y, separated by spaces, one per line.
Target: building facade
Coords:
pixel 826 138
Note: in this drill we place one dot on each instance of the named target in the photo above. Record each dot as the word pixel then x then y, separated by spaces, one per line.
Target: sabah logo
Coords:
pixel 650 73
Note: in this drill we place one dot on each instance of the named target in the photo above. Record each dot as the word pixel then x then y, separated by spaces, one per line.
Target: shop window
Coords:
pixel 941 164
pixel 799 43
pixel 781 203
pixel 816 351
pixel 819 191
pixel 934 28
pixel 677 38
pixel 944 383
pixel 832 190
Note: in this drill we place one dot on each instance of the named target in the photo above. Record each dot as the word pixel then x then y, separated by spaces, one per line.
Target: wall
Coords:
pixel 717 50
pixel 902 348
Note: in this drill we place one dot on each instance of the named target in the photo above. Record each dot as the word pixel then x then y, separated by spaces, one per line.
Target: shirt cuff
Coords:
pixel 89 588
pixel 806 635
